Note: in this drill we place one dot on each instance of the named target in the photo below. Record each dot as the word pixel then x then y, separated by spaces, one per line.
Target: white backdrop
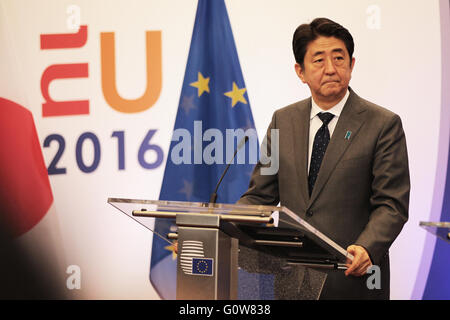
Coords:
pixel 398 65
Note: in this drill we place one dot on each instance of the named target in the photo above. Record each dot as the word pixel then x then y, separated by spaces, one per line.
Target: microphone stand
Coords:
pixel 213 197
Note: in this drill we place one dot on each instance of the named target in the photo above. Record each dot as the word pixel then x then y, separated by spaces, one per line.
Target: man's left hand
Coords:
pixel 361 261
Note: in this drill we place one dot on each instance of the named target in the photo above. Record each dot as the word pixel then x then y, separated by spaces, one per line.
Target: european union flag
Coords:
pixel 213 104
pixel 202 266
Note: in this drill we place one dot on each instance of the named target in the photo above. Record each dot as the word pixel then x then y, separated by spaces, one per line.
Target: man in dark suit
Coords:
pixel 343 163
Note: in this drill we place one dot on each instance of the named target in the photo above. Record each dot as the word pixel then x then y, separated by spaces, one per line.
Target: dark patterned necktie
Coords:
pixel 319 147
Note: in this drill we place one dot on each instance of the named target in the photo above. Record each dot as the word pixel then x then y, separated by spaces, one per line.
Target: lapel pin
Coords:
pixel 347 135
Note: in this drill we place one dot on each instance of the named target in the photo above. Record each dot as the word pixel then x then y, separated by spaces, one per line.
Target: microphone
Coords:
pixel 213 197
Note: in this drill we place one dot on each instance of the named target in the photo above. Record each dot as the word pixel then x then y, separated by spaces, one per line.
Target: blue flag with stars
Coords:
pixel 213 101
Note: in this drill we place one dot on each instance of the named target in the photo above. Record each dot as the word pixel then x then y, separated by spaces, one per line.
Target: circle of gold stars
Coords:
pixel 202 266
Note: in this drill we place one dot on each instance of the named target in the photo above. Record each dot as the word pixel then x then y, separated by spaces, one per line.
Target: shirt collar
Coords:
pixel 335 110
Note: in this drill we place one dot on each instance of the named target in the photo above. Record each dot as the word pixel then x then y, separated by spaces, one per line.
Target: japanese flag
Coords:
pixel 31 251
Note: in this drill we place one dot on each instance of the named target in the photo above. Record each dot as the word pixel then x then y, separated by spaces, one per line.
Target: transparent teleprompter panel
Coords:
pixel 270 217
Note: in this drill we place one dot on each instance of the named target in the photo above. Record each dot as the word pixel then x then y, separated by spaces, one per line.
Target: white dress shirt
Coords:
pixel 315 123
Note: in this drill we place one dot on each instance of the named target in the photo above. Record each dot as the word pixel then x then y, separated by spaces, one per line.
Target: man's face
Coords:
pixel 327 70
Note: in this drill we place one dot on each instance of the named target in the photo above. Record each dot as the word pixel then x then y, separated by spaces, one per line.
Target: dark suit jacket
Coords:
pixel 361 195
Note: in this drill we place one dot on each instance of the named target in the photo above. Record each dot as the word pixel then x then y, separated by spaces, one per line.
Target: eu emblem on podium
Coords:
pixel 202 266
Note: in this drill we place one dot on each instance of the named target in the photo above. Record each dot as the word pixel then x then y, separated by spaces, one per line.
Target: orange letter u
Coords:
pixel 154 74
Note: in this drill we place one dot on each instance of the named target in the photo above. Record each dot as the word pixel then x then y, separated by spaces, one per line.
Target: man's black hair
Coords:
pixel 325 27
